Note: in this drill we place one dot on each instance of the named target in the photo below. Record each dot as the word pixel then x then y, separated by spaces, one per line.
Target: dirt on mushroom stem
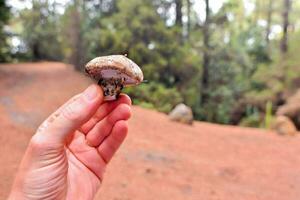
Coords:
pixel 112 87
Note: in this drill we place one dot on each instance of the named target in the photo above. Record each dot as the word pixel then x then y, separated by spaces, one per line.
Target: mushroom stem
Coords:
pixel 112 88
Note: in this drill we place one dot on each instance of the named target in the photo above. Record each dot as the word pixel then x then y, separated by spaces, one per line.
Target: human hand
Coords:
pixel 67 156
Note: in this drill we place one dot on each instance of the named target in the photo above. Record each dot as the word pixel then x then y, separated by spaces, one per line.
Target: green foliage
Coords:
pixel 4 17
pixel 252 117
pixel 155 95
pixel 138 31
pixel 247 78
pixel 40 31
pixel 228 72
pixel 268 115
pixel 272 83
pixel 251 121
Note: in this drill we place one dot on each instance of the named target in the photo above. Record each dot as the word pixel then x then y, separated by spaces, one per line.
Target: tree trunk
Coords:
pixel 285 15
pixel 269 21
pixel 35 46
pixel 99 5
pixel 178 19
pixel 36 52
pixel 77 58
pixel 189 5
pixel 206 56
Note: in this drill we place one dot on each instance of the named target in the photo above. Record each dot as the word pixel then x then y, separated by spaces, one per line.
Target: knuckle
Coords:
pixel 125 110
pixel 114 146
pixel 41 145
pixel 73 111
pixel 122 112
pixel 38 142
pixel 42 127
pixel 123 128
pixel 118 139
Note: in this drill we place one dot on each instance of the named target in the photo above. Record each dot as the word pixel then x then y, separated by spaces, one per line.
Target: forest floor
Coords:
pixel 160 159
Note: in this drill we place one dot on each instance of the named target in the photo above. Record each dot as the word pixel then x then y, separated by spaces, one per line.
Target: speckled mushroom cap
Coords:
pixel 115 66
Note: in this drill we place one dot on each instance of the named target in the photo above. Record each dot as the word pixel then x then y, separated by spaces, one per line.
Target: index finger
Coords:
pixel 103 111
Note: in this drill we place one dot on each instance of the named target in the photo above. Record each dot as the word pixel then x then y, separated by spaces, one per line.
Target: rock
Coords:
pixel 148 171
pixel 182 113
pixel 284 126
pixel 291 109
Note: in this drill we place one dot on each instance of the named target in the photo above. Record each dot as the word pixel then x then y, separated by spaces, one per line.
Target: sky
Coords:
pixel 199 5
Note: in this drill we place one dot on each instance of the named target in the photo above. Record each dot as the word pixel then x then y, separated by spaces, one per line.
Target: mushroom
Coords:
pixel 113 73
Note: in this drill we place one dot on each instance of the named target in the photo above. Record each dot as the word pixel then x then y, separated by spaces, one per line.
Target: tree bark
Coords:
pixel 189 5
pixel 206 56
pixel 269 21
pixel 178 19
pixel 77 58
pixel 285 26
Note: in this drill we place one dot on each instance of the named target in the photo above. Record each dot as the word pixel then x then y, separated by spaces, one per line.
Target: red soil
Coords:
pixel 160 159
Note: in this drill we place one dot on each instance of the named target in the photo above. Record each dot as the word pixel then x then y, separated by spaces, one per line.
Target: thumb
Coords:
pixel 70 116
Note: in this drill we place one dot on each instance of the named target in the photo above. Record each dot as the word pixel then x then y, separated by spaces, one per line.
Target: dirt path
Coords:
pixel 160 160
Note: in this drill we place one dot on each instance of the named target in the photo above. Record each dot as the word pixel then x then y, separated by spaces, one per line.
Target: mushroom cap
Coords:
pixel 115 66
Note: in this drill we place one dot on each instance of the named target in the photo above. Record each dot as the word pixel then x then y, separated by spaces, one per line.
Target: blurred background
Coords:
pixel 225 59
pixel 233 62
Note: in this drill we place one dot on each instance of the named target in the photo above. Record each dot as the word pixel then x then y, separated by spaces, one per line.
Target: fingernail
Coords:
pixel 90 93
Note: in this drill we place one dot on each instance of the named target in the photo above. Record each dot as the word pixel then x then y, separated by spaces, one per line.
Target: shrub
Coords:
pixel 155 95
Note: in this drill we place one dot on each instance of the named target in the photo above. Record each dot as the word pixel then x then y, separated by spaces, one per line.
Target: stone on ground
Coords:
pixel 182 113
